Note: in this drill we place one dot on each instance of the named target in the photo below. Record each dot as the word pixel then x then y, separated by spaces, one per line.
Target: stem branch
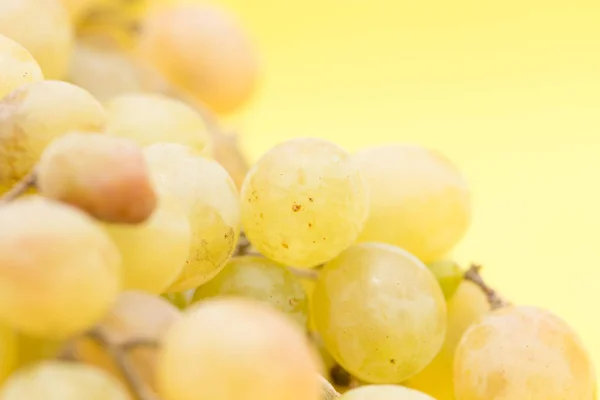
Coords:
pixel 494 298
pixel 19 188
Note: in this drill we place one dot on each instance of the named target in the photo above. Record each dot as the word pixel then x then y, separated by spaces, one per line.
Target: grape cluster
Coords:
pixel 142 258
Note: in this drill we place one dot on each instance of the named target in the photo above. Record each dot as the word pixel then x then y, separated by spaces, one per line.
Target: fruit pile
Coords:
pixel 142 259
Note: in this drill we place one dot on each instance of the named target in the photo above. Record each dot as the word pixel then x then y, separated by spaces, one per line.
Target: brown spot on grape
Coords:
pixel 285 245
pixel 261 215
pixel 296 207
pixel 392 361
pixel 309 225
pixel 311 199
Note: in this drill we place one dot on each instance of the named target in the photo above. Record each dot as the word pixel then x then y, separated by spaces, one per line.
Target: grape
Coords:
pixel 211 202
pixel 44 29
pixel 8 351
pixel 237 349
pixel 35 114
pixel 522 353
pixel 17 65
pixel 54 380
pixel 227 152
pixel 385 392
pixel 135 316
pixel 105 176
pixel 303 202
pixel 419 201
pixel 59 272
pixel 380 312
pixel 260 279
pixel 465 307
pixel 153 118
pixel 79 8
pixel 155 251
pixel 448 274
pixel 203 52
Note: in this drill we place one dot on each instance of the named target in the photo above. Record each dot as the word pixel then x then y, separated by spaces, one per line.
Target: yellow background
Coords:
pixel 510 90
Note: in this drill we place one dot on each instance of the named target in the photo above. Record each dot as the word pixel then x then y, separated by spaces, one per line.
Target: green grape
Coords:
pixel 468 304
pixel 522 353
pixel 44 28
pixel 54 380
pixel 448 274
pixel 261 279
pixel 8 351
pixel 153 118
pixel 385 392
pixel 419 201
pixel 178 299
pixel 380 312
pixel 212 204
pixel 30 119
pixel 303 202
pixel 73 169
pixel 154 252
pixel 59 272
pixel 17 65
pixel 235 348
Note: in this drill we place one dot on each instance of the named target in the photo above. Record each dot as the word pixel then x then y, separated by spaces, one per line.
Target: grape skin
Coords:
pixel 419 201
pixel 522 352
pixel 260 279
pixel 465 307
pixel 154 252
pixel 384 392
pixel 8 351
pixel 17 65
pixel 105 176
pixel 43 27
pixel 153 118
pixel 59 272
pixel 303 202
pixel 380 312
pixel 236 349
pixel 54 380
pixel 35 114
pixel 211 201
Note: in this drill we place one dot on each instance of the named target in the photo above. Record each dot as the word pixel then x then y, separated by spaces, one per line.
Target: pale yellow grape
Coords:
pixel 380 312
pixel 211 202
pixel 56 380
pixel 522 353
pixel 419 200
pixel 43 27
pixel 155 251
pixel 154 118
pixel 227 151
pixel 8 351
pixel 36 113
pixel 135 316
pixel 304 202
pixel 17 65
pixel 385 392
pixel 202 51
pixel 237 349
pixel 79 8
pixel 465 307
pixel 103 175
pixel 59 272
pixel 260 279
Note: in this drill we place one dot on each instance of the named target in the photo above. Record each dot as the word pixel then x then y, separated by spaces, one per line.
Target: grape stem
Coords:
pixel 19 188
pixel 495 300
pixel 243 246
pixel 125 366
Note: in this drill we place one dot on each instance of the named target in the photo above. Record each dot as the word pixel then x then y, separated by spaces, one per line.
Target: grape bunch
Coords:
pixel 143 258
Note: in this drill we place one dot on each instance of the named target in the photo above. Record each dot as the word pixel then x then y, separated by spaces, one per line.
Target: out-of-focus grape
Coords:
pixel 522 353
pixel 304 202
pixel 419 201
pixel 384 392
pixel 54 380
pixel 380 312
pixel 226 150
pixel 155 251
pixel 8 351
pixel 43 27
pixel 153 118
pixel 59 272
pixel 237 349
pixel 105 176
pixel 465 307
pixel 210 199
pixel 17 65
pixel 36 113
pixel 260 279
pixel 201 50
